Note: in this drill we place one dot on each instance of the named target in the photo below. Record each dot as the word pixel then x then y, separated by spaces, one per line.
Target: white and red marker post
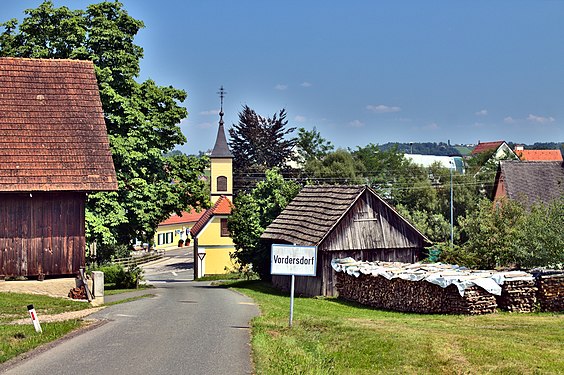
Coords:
pixel 34 319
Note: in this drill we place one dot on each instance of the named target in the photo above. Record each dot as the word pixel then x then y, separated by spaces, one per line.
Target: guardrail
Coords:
pixel 138 260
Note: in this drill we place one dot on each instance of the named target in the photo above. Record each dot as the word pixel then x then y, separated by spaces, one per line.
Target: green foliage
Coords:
pixel 259 143
pixel 141 118
pixel 509 235
pixel 338 167
pixel 122 278
pixel 252 213
pixel 311 145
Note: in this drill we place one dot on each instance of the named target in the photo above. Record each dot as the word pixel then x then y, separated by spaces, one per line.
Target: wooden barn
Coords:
pixel 53 150
pixel 342 221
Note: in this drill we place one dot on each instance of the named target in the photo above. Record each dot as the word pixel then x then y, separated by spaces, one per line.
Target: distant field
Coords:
pixel 334 337
pixel 464 151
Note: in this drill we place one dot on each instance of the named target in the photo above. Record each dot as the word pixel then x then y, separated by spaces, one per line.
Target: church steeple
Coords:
pixel 221 149
pixel 221 159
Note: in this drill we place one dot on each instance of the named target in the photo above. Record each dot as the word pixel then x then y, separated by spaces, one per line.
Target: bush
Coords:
pixel 119 276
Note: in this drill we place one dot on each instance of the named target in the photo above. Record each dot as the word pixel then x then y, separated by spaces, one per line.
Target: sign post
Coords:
pixel 293 260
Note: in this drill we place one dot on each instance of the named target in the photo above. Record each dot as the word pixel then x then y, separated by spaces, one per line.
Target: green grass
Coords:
pixel 223 276
pixel 110 289
pixel 330 336
pixel 13 306
pixel 17 339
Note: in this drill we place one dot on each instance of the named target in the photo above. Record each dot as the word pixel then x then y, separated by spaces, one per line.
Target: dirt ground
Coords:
pixel 50 287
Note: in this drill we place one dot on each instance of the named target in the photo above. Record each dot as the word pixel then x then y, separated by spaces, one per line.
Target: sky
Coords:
pixel 360 72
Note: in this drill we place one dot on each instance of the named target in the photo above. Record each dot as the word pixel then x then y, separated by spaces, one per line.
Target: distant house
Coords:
pixel 500 149
pixel 529 181
pixel 53 151
pixel 449 162
pixel 342 221
pixel 538 155
pixel 175 229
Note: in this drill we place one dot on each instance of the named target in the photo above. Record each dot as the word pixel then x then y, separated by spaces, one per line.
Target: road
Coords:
pixel 187 328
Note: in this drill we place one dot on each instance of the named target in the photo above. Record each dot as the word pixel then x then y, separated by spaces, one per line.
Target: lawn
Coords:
pixel 17 339
pixel 330 336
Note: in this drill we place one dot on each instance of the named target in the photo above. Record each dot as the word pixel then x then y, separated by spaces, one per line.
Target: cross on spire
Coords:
pixel 221 93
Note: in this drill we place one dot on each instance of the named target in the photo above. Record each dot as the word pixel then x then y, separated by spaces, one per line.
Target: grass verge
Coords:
pixel 17 339
pixel 330 336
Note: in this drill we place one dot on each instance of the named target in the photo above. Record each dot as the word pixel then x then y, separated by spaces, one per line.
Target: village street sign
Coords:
pixel 293 260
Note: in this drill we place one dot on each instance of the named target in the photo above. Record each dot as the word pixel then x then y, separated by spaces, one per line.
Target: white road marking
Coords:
pixel 127 316
pixel 174 273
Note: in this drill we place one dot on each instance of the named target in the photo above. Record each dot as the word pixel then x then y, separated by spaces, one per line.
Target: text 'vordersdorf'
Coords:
pixel 293 260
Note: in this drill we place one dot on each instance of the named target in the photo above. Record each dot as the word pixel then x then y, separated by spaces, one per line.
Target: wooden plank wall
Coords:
pixel 41 234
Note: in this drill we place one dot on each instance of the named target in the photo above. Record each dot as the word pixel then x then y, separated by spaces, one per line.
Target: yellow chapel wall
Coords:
pixel 217 247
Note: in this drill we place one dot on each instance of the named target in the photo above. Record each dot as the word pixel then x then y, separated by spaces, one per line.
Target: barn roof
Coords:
pixel 223 206
pixel 314 212
pixel 52 130
pixel 534 181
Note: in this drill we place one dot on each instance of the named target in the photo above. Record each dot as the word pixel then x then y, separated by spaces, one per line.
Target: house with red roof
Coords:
pixel 175 231
pixel 538 155
pixel 499 149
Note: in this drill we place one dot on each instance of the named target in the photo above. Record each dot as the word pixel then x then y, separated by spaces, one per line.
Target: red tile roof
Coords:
pixel 186 217
pixel 223 206
pixel 52 130
pixel 539 155
pixel 486 146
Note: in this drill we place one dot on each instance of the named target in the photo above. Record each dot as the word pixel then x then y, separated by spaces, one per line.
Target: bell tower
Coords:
pixel 221 160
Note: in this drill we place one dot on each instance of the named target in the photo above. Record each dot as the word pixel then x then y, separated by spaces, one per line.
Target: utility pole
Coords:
pixel 451 206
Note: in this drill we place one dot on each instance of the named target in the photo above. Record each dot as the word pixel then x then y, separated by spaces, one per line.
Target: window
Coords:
pixel 165 238
pixel 224 230
pixel 222 183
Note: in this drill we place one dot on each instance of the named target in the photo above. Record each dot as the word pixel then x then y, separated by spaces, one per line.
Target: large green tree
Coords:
pixel 252 213
pixel 259 143
pixel 142 118
pixel 311 145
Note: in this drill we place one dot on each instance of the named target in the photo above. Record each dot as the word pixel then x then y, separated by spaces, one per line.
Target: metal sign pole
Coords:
pixel 292 300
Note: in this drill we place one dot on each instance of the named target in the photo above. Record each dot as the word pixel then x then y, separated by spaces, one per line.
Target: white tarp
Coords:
pixel 439 274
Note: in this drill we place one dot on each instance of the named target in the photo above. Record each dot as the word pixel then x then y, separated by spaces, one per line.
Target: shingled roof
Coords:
pixel 52 131
pixel 539 155
pixel 486 146
pixel 534 181
pixel 312 214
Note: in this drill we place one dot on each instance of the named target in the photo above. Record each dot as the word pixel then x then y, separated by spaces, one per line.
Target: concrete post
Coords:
pixel 98 287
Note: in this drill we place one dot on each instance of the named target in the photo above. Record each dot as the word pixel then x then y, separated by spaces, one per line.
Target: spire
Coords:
pixel 221 149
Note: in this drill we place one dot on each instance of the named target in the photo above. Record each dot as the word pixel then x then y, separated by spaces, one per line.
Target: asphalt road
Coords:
pixel 187 328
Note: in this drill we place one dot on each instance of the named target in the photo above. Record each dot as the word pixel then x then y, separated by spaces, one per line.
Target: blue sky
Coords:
pixel 359 71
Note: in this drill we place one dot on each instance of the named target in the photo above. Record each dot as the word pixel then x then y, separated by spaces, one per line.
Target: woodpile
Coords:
pixel 412 296
pixel 445 289
pixel 518 296
pixel 550 291
pixel 78 293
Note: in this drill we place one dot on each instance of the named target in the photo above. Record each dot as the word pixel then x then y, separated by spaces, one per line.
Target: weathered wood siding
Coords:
pixel 41 234
pixel 371 224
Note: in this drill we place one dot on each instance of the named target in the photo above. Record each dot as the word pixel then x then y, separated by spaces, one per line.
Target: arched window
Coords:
pixel 222 183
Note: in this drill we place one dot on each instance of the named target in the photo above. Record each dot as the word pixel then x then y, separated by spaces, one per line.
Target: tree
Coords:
pixel 252 213
pixel 311 145
pixel 338 167
pixel 142 118
pixel 259 143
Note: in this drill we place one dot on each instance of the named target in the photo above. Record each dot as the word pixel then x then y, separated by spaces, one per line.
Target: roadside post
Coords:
pixel 34 319
pixel 292 260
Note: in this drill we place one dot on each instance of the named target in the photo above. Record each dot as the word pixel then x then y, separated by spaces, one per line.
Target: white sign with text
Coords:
pixel 293 260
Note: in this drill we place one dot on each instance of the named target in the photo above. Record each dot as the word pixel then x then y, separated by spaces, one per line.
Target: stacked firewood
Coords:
pixel 410 296
pixel 518 296
pixel 78 293
pixel 551 291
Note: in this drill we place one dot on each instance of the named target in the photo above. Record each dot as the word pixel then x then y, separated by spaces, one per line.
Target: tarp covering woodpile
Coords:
pixel 433 288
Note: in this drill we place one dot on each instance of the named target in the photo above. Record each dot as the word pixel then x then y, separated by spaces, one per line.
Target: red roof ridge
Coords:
pixel 184 217
pixel 222 206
